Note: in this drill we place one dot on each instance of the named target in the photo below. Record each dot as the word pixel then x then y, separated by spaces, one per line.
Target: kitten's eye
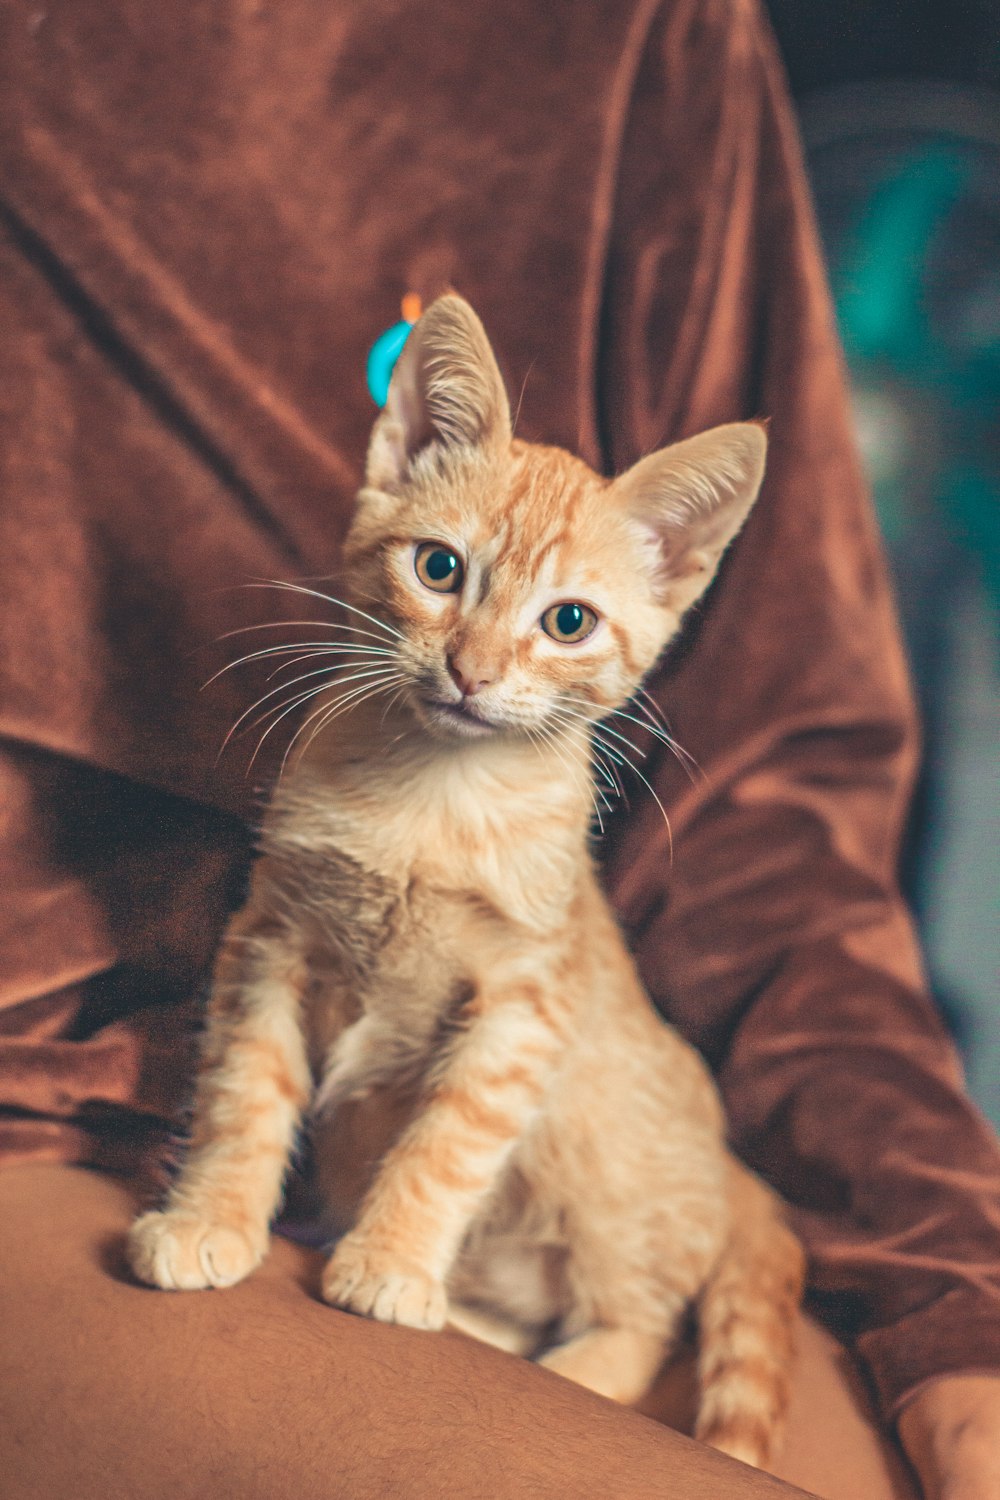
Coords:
pixel 569 622
pixel 438 568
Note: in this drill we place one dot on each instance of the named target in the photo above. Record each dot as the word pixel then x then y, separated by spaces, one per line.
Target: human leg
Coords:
pixel 108 1389
pixel 833 1446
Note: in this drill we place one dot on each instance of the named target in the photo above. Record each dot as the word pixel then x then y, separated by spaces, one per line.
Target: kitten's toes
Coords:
pixel 181 1252
pixel 383 1287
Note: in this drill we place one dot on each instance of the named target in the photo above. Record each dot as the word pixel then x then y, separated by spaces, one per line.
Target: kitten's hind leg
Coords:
pixel 253 1085
pixel 492 1330
pixel 620 1363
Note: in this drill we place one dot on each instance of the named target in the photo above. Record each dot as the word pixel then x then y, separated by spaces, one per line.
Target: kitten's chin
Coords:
pixel 455 721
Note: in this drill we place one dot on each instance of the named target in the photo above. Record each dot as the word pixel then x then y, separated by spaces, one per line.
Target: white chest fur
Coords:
pixel 474 826
pixel 409 873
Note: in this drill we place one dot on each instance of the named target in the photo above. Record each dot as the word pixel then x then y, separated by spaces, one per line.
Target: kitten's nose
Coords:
pixel 466 676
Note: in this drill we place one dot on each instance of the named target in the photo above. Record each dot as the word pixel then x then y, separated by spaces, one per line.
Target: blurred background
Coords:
pixel 899 105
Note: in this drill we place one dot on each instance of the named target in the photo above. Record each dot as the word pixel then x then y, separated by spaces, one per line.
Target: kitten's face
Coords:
pixel 524 596
pixel 528 592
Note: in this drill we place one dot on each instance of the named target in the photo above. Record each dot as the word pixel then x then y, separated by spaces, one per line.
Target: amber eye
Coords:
pixel 569 622
pixel 438 568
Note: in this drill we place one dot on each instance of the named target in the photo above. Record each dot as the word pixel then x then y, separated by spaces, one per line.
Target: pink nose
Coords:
pixel 466 676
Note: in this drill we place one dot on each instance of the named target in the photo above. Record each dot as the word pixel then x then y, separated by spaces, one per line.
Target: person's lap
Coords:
pixel 108 1389
pixel 834 1446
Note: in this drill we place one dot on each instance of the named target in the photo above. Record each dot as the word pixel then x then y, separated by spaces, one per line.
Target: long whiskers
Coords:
pixel 655 721
pixel 322 648
pixel 359 659
pixel 663 736
pixel 368 688
pixel 344 661
pixel 311 624
pixel 329 673
pixel 548 737
pixel 608 772
pixel 618 756
pixel 282 710
pixel 326 713
pixel 298 588
pixel 301 698
pixel 651 706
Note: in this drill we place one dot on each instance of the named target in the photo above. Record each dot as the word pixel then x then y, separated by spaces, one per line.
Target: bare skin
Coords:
pixel 951 1432
pixel 264 1393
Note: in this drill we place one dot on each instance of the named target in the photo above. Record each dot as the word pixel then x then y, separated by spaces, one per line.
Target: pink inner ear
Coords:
pixel 697 494
pixel 406 403
pixel 693 497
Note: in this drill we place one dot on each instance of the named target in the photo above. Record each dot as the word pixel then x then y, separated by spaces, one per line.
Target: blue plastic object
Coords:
pixel 382 357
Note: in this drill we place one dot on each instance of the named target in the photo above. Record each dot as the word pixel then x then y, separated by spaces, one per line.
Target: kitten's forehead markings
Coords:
pixel 484 553
pixel 532 545
pixel 545 551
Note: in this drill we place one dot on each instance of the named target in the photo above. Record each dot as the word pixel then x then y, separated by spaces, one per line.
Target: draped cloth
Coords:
pixel 207 213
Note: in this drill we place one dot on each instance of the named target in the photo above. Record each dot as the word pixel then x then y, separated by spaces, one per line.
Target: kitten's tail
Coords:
pixel 747 1315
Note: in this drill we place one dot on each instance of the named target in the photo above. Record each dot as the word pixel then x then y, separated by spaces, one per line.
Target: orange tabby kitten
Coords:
pixel 425 930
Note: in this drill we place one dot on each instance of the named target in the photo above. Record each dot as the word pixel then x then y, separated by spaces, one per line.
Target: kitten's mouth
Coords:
pixel 458 718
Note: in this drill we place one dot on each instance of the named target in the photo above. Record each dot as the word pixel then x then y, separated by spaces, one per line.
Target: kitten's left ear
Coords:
pixel 446 389
pixel 692 498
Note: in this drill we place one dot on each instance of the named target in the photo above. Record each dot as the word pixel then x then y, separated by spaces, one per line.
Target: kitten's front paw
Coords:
pixel 382 1286
pixel 181 1252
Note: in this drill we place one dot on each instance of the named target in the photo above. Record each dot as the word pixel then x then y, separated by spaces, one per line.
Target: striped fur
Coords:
pixel 503 1125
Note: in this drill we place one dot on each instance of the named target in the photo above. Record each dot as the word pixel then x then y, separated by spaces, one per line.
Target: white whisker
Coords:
pixel 686 761
pixel 649 706
pixel 297 588
pixel 550 739
pixel 328 672
pixel 322 708
pixel 324 648
pixel 620 754
pixel 652 707
pixel 332 678
pixel 327 714
pixel 311 624
pixel 606 728
pixel 357 658
pixel 281 711
pixel 654 723
pixel 597 763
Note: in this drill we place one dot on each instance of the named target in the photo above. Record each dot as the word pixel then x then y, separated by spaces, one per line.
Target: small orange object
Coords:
pixel 411 307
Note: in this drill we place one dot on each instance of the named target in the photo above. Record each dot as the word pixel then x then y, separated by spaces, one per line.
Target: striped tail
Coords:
pixel 747 1314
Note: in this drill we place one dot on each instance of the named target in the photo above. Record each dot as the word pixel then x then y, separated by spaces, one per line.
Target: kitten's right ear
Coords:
pixel 446 388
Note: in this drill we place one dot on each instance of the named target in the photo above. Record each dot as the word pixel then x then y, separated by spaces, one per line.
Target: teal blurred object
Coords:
pixel 382 357
pixel 879 278
pixel 884 288
pixel 907 183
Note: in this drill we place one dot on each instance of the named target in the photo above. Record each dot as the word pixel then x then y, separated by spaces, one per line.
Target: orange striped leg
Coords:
pixel 253 1086
pixel 394 1263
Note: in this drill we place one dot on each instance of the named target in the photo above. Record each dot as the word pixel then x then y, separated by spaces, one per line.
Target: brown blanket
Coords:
pixel 208 212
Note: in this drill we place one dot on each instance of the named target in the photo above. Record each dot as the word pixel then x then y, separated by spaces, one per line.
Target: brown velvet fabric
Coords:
pixel 208 213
